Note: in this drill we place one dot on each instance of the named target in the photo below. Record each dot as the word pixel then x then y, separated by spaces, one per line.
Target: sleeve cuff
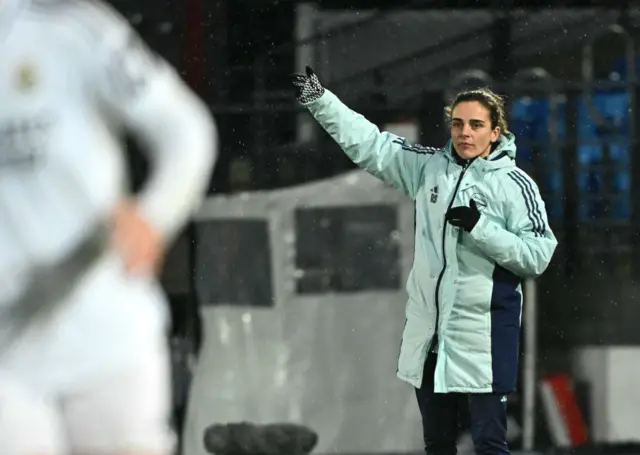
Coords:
pixel 324 98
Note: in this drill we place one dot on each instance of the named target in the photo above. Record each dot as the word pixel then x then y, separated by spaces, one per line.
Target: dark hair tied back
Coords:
pixel 493 102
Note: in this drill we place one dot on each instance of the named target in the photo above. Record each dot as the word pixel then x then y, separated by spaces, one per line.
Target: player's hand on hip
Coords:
pixel 138 242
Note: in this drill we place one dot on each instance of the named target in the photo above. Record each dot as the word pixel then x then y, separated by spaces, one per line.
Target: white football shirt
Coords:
pixel 73 76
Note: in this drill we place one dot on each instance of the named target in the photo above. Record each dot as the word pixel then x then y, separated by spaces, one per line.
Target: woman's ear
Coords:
pixel 495 134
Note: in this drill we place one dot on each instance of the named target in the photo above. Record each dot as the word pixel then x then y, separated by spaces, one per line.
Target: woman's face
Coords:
pixel 471 132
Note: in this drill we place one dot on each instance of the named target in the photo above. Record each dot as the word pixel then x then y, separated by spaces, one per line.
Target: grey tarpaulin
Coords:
pixel 323 353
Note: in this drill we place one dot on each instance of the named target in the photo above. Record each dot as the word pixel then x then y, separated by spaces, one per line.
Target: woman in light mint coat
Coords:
pixel 481 228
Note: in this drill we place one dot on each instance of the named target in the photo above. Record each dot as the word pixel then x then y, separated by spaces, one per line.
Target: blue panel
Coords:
pixel 530 122
pixel 613 106
pixel 506 308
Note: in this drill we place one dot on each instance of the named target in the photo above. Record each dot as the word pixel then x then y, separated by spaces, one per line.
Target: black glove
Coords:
pixel 308 87
pixel 464 217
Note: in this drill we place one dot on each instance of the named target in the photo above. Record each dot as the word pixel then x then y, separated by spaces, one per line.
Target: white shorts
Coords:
pixel 125 412
pixel 95 380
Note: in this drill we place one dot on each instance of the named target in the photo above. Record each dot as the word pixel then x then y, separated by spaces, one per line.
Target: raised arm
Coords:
pixel 384 155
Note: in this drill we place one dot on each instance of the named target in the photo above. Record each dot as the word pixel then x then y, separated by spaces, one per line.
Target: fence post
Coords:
pixel 529 370
pixel 502 65
pixel 588 71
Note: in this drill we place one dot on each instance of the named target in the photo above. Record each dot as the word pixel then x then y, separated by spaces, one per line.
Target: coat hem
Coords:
pixel 469 390
pixel 414 381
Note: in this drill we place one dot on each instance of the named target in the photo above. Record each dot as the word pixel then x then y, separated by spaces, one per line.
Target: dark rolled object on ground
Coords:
pixel 251 439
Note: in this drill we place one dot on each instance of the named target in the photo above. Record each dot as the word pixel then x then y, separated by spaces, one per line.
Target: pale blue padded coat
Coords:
pixel 464 286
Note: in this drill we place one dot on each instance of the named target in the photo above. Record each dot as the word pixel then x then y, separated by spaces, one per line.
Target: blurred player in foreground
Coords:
pixel 83 349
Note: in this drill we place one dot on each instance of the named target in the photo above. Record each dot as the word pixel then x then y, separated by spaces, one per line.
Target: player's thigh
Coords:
pixel 126 412
pixel 29 424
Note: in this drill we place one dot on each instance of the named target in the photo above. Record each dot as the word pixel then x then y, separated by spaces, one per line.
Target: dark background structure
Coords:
pixel 572 94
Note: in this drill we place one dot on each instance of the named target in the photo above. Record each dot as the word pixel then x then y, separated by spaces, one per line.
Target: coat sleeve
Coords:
pixel 526 246
pixel 382 154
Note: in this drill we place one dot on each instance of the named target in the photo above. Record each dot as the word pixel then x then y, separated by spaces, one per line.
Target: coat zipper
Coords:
pixel 444 256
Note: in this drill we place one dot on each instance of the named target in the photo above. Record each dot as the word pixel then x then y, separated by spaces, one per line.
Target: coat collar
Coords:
pixel 503 156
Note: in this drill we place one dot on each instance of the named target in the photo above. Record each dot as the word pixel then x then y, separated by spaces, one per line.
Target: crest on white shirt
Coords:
pixel 26 77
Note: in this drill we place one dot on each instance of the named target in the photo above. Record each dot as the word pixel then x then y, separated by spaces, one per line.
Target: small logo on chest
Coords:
pixel 481 200
pixel 434 194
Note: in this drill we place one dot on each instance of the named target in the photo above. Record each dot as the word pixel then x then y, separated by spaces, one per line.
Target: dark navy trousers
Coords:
pixel 441 413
